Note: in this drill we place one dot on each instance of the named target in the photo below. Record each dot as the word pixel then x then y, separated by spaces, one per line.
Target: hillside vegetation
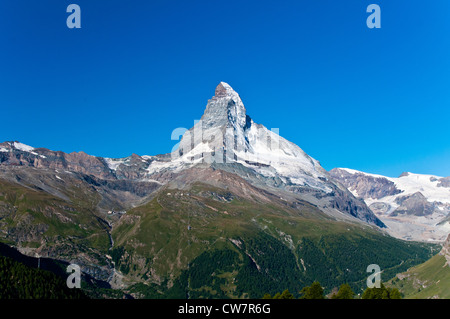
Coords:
pixel 18 281
pixel 428 280
pixel 203 246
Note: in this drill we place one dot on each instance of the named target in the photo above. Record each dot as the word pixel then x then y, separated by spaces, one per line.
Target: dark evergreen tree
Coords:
pixel 395 294
pixel 345 292
pixel 18 281
pixel 286 295
pixel 315 291
pixel 381 293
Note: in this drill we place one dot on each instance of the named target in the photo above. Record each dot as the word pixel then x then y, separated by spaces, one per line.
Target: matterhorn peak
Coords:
pixel 226 134
pixel 225 109
pixel 224 89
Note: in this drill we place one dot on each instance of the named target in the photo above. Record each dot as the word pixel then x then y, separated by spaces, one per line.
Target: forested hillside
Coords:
pixel 18 281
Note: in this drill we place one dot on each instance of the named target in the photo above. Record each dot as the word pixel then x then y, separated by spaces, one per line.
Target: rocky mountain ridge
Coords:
pixel 413 206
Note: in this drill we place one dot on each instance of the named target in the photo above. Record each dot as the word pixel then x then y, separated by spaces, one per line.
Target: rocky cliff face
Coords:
pixel 444 182
pixel 16 154
pixel 365 186
pixel 415 204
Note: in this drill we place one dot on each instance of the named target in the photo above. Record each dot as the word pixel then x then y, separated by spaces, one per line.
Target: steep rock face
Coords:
pixel 131 168
pixel 365 186
pixel 444 182
pixel 415 204
pixel 18 154
pixel 107 194
pixel 345 202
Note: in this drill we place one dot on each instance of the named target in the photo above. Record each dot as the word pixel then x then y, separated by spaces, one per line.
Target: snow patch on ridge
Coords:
pixel 23 147
pixel 412 183
pixel 113 163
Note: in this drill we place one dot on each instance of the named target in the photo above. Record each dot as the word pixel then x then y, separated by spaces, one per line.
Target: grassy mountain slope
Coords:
pixel 40 223
pixel 205 241
pixel 428 280
pixel 197 238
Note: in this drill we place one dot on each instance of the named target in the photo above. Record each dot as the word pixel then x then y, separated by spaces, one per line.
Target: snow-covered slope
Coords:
pixel 413 206
pixel 409 183
pixel 7 147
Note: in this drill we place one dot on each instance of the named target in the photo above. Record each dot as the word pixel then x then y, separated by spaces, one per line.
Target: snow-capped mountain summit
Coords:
pixel 227 138
pixel 225 109
pixel 226 134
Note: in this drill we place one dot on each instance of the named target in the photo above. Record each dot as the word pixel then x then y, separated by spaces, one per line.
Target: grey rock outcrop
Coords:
pixel 415 204
pixel 365 186
pixel 444 182
pixel 445 251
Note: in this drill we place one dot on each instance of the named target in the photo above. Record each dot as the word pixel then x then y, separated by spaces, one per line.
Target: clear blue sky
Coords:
pixel 350 96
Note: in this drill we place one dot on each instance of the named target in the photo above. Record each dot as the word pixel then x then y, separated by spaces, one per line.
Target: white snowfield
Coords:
pixel 113 163
pixel 431 227
pixel 23 147
pixel 18 146
pixel 413 183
